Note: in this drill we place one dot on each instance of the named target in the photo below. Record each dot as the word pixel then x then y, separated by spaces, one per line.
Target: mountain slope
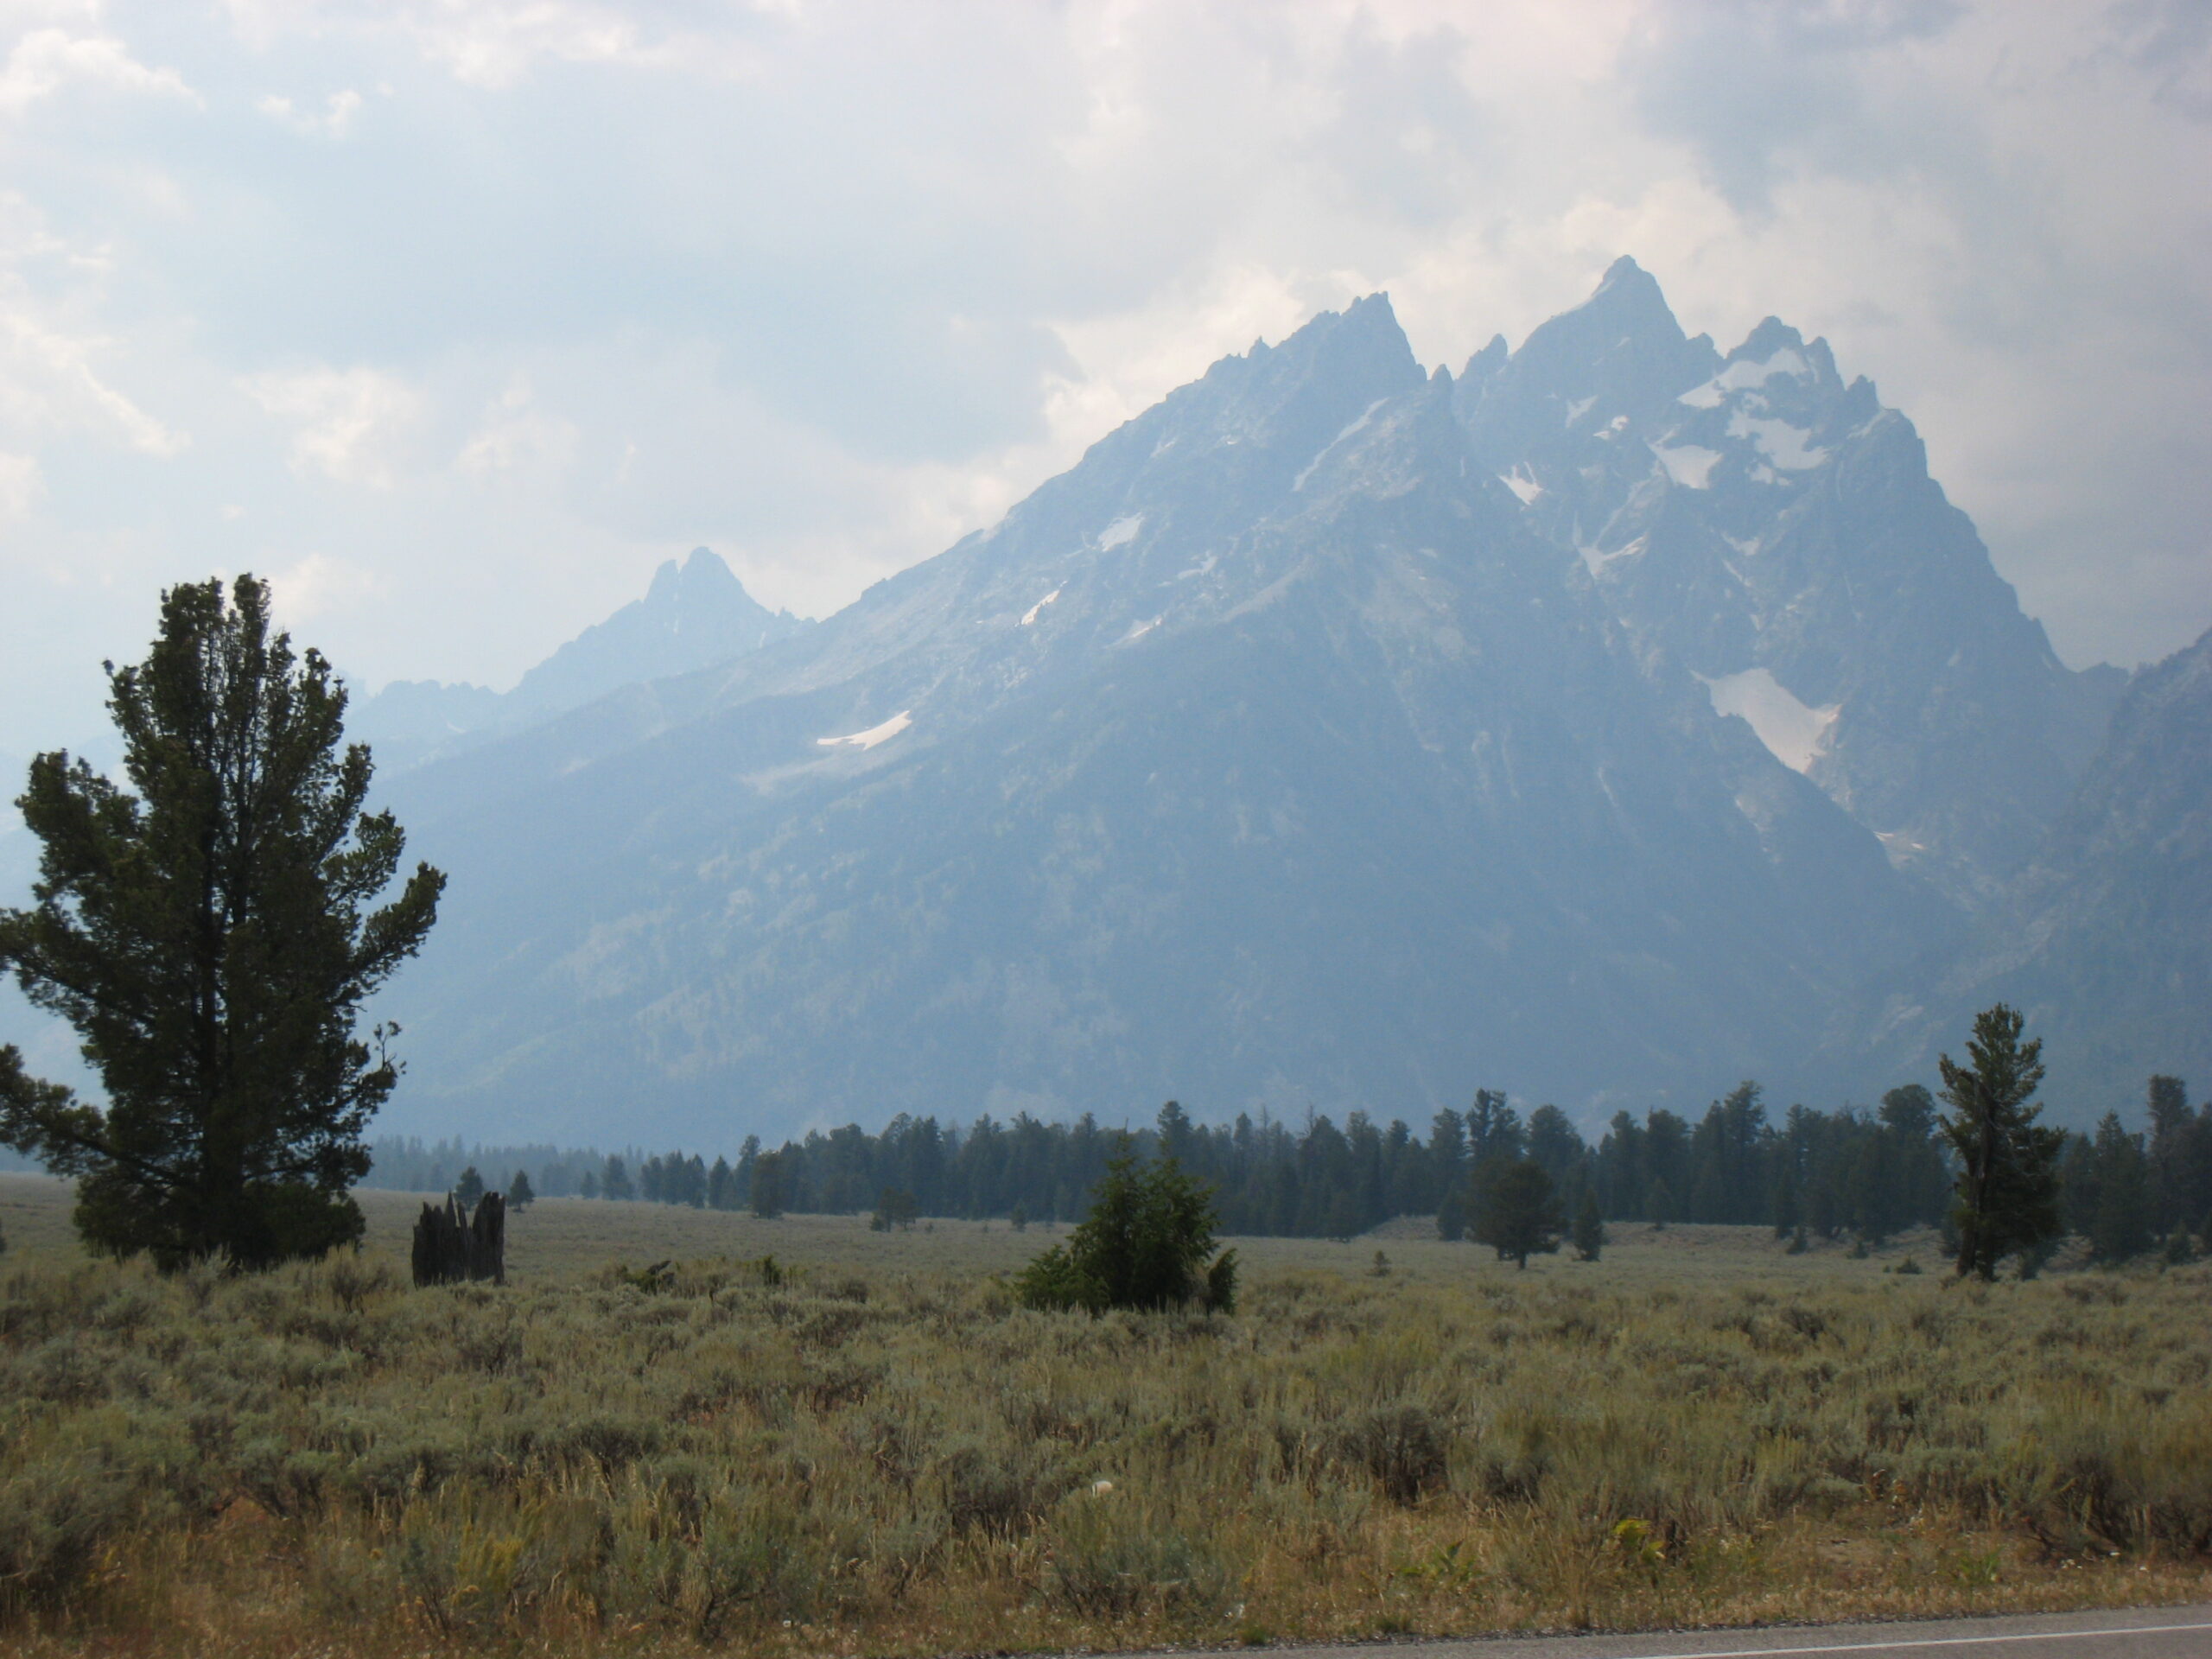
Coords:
pixel 1264 757
pixel 2104 943
pixel 1776 531
pixel 693 616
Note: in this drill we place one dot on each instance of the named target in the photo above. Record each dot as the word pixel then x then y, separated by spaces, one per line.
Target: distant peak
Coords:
pixel 1368 322
pixel 1630 292
pixel 1772 335
pixel 1624 270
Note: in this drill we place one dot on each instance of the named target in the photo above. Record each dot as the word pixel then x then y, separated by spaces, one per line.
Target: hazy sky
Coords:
pixel 457 318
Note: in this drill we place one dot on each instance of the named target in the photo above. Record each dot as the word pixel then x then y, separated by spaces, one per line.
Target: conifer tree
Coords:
pixel 469 1189
pixel 2006 1200
pixel 2119 1227
pixel 1589 1228
pixel 520 1193
pixel 768 1197
pixel 1516 1211
pixel 209 927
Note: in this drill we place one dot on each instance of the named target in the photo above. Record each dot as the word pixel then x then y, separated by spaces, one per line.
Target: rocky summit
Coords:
pixel 1617 720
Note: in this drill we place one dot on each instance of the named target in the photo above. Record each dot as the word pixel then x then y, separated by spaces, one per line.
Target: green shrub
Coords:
pixel 1143 1245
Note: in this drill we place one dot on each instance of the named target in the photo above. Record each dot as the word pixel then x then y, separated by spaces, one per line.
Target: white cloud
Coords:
pixel 44 60
pixel 515 436
pixel 318 585
pixel 20 485
pixel 47 382
pixel 349 424
pixel 336 120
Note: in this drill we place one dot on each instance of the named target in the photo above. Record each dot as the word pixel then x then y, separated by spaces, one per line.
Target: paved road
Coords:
pixel 2137 1633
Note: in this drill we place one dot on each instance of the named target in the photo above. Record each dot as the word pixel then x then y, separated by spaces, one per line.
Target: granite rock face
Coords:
pixel 1775 530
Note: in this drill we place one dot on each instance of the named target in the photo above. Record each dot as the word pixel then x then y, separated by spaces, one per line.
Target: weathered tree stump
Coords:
pixel 451 1246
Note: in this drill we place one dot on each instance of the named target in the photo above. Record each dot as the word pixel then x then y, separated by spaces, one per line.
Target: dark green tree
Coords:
pixel 519 1195
pixel 2006 1198
pixel 1145 1243
pixel 615 1183
pixel 2120 1224
pixel 894 1207
pixel 211 928
pixel 1589 1228
pixel 1517 1210
pixel 469 1189
pixel 768 1197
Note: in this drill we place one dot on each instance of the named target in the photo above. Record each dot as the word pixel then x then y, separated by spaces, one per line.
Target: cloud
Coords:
pixel 318 585
pixel 339 111
pixel 47 382
pixel 349 424
pixel 20 485
pixel 516 437
pixel 45 60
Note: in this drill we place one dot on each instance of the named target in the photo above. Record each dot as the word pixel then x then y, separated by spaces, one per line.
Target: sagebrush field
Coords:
pixel 865 1448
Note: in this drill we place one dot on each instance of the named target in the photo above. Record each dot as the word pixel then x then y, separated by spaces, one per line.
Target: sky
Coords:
pixel 455 318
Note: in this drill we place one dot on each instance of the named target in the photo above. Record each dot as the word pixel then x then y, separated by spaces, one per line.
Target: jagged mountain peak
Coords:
pixel 701 577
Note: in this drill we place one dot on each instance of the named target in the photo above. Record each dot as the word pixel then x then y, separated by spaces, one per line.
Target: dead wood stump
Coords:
pixel 451 1247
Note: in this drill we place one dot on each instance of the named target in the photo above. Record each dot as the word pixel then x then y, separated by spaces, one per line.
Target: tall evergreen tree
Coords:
pixel 2120 1224
pixel 1516 1211
pixel 2006 1198
pixel 211 930
pixel 1589 1228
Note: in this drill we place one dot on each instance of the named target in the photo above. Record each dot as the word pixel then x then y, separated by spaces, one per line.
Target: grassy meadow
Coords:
pixel 867 1449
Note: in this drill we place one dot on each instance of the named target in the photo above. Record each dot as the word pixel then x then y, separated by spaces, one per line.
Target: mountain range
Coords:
pixel 1607 722
pixel 693 615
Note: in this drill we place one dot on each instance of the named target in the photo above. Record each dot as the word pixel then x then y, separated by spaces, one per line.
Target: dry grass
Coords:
pixel 871 1451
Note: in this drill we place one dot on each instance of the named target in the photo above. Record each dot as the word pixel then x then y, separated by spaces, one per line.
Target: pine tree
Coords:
pixel 614 1182
pixel 1516 1211
pixel 1589 1228
pixel 469 1189
pixel 519 1195
pixel 2119 1228
pixel 2007 1193
pixel 768 1185
pixel 209 930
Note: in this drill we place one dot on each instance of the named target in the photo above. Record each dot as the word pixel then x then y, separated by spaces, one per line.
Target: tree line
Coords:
pixel 1863 1174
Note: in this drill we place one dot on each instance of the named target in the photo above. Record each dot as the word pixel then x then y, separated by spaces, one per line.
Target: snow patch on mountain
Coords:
pixel 1122 531
pixel 1790 447
pixel 1029 616
pixel 874 735
pixel 1596 559
pixel 1744 375
pixel 1792 730
pixel 1689 465
pixel 1367 414
pixel 1519 482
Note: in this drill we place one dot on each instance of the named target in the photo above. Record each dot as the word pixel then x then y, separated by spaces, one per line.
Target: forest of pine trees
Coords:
pixel 1864 1174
